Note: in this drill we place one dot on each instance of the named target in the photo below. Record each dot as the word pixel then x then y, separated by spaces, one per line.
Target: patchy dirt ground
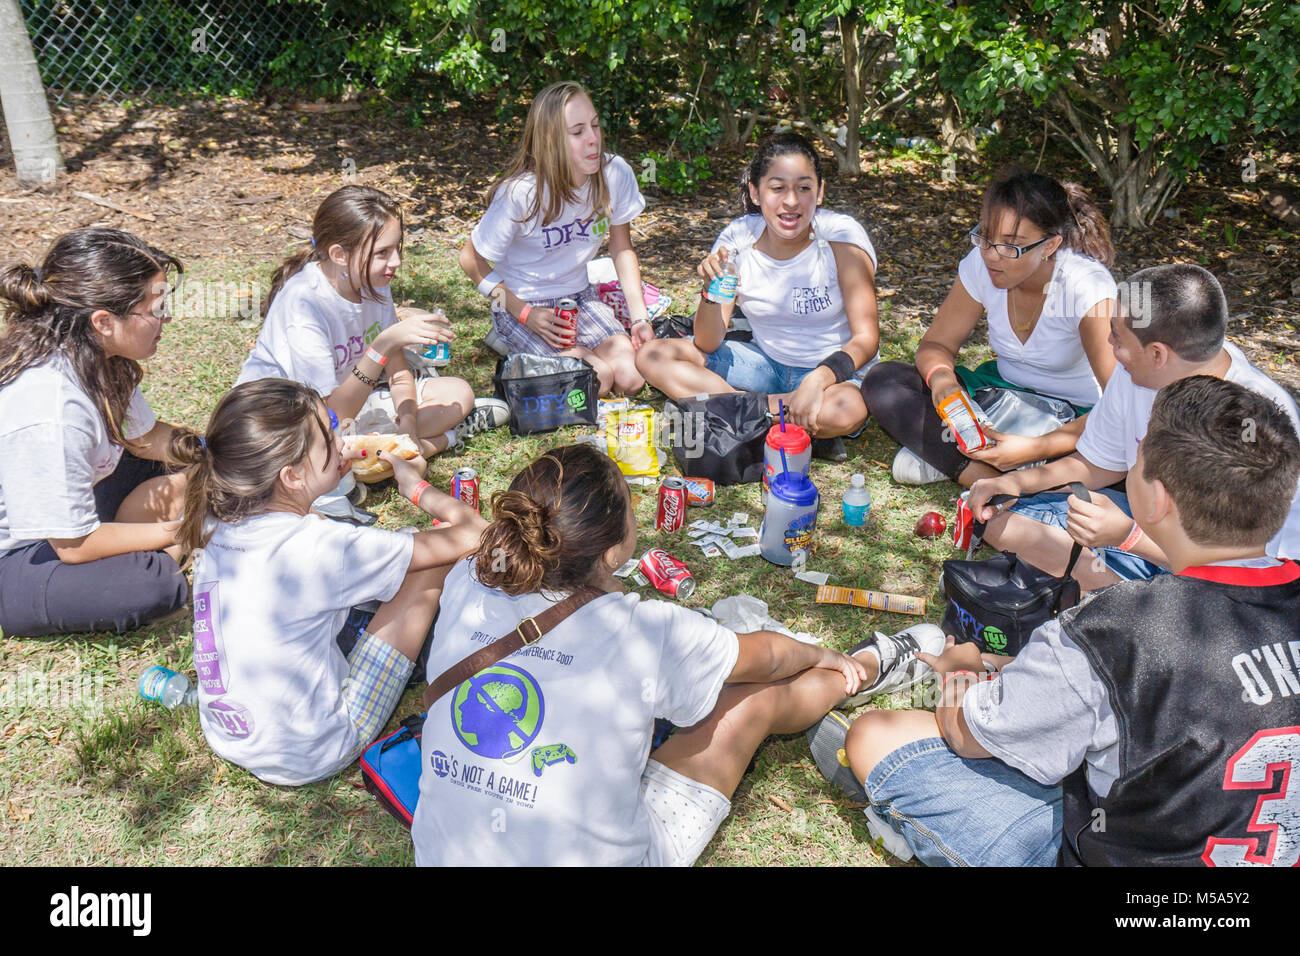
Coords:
pixel 241 179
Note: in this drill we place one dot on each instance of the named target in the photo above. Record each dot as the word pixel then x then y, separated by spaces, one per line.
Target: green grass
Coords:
pixel 93 775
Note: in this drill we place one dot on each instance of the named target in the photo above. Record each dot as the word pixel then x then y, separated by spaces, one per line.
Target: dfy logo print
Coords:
pixel 807 301
pixel 498 712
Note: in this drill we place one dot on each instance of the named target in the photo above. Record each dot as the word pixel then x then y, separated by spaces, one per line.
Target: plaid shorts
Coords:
pixel 377 676
pixel 596 323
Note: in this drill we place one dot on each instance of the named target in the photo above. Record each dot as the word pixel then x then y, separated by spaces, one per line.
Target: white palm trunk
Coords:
pixel 27 114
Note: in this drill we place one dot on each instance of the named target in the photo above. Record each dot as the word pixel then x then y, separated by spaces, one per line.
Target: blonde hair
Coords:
pixel 544 152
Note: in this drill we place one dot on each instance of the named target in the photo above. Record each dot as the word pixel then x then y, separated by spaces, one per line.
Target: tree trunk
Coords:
pixel 27 114
pixel 849 156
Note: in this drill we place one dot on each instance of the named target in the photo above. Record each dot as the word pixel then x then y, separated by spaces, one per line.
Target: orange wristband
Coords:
pixel 523 314
pixel 419 490
pixel 935 369
pixel 1134 533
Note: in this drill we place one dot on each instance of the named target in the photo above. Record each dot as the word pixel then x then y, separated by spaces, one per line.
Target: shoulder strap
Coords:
pixel 977 529
pixel 503 647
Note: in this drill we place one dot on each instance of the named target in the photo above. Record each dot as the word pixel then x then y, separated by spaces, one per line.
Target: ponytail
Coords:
pixel 187 450
pixel 551 530
pixel 289 268
pixel 1091 235
pixel 24 292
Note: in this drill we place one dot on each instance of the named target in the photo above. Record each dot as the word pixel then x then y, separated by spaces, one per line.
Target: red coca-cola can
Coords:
pixel 667 574
pixel 567 309
pixel 464 486
pixel 699 491
pixel 963 524
pixel 671 514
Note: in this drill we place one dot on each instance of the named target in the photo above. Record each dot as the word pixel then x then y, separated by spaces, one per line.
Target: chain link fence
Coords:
pixel 122 49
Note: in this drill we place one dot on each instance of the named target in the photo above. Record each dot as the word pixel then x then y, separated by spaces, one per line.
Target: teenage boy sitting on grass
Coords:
pixel 1176 331
pixel 1156 723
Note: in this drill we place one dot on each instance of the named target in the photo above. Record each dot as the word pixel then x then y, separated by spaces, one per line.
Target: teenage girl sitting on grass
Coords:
pixel 87 509
pixel 564 726
pixel 277 589
pixel 807 288
pixel 547 216
pixel 330 324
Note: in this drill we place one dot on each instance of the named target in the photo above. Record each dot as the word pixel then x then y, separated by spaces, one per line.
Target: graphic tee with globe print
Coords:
pixel 537 760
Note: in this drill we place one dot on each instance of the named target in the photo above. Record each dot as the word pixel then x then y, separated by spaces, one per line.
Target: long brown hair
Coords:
pixel 1059 209
pixel 351 217
pixel 544 152
pixel 553 527
pixel 256 429
pixel 48 310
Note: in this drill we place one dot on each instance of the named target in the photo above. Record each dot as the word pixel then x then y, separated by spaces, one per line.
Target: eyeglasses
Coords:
pixel 1007 250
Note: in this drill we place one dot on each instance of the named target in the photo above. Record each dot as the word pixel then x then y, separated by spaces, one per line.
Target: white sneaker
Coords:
pixel 899 666
pixel 496 342
pixel 911 470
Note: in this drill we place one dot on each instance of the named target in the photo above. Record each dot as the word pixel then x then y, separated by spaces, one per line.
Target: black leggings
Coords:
pixel 897 397
pixel 39 594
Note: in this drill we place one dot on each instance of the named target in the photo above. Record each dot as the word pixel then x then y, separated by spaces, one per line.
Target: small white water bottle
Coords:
pixel 168 688
pixel 856 502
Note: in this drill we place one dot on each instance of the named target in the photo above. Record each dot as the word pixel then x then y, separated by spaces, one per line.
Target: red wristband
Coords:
pixel 523 314
pixel 419 490
pixel 930 373
pixel 376 356
pixel 949 676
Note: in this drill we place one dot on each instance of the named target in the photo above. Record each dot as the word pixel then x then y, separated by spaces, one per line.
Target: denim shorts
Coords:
pixel 1052 508
pixel 747 367
pixel 953 811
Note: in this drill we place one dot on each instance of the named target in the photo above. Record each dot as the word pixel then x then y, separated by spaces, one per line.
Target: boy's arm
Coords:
pixel 1043 713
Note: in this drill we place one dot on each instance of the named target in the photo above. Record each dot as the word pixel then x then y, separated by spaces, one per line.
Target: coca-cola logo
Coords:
pixel 672 506
pixel 663 562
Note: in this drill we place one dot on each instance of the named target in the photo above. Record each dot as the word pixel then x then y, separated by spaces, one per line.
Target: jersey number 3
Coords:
pixel 1277 813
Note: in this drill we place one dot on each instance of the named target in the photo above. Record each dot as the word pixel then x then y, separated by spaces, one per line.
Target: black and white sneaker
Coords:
pixel 899 666
pixel 488 413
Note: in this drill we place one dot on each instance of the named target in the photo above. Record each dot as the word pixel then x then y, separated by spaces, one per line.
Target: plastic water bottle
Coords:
pixel 723 289
pixel 857 502
pixel 168 688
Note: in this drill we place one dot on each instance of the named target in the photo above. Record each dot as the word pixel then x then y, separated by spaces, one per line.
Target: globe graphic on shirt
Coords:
pixel 498 712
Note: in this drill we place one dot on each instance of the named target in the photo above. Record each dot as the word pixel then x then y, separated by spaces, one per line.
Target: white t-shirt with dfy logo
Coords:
pixel 794 305
pixel 547 261
pixel 313 335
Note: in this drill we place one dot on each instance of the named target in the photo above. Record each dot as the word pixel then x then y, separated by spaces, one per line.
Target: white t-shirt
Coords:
pixel 545 262
pixel 313 335
pixel 538 760
pixel 1053 360
pixel 794 306
pixel 1119 421
pixel 271 593
pixel 54 449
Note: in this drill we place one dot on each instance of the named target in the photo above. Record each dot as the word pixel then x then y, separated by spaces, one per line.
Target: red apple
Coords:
pixel 931 525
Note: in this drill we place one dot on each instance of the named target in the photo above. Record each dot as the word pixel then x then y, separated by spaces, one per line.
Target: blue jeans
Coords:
pixel 747 367
pixel 1051 508
pixel 958 812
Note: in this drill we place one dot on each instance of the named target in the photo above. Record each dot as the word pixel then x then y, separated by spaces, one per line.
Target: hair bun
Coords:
pixel 21 285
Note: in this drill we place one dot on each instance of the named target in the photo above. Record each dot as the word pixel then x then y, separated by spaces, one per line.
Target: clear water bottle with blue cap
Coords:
pixel 856 502
pixel 167 687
